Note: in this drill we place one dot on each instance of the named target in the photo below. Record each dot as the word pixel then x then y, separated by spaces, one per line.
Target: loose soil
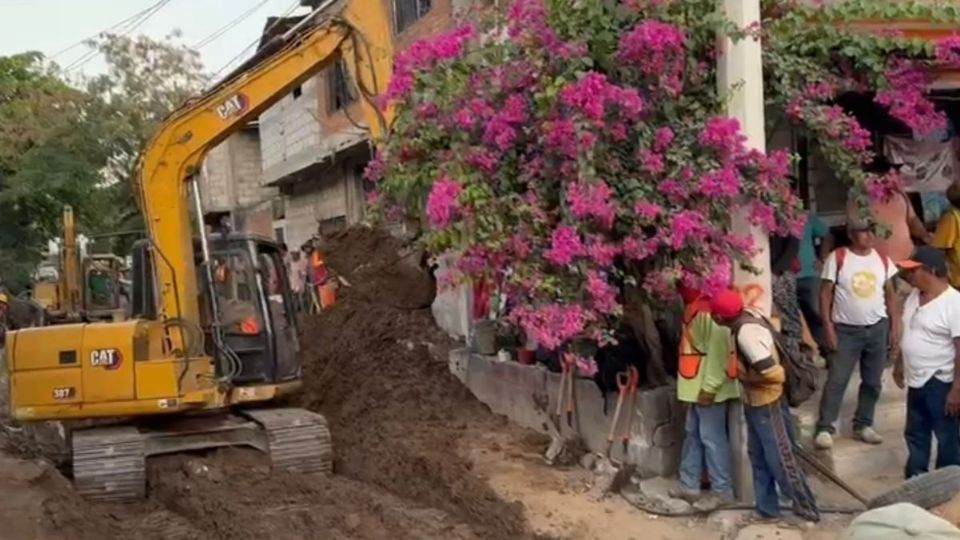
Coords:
pixel 375 366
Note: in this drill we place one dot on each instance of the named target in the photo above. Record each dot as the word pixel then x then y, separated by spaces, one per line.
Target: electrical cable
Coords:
pixel 94 36
pixel 229 26
pixel 253 44
pixel 145 16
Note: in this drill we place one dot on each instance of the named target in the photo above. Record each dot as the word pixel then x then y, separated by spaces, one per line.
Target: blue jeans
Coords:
pixel 774 462
pixel 927 416
pixel 864 345
pixel 707 440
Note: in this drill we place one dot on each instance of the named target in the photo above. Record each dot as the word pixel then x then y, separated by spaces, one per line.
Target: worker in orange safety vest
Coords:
pixel 326 292
pixel 706 382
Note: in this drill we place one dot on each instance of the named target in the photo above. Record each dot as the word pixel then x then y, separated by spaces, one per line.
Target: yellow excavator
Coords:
pixel 86 289
pixel 213 342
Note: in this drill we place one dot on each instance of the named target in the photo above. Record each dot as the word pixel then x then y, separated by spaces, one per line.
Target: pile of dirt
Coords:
pixel 380 268
pixel 378 371
pixel 375 366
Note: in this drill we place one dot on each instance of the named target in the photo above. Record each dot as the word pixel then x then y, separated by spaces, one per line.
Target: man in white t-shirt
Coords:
pixel 931 352
pixel 861 322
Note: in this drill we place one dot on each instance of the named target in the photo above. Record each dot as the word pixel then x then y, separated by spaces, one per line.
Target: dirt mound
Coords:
pixel 378 372
pixel 380 268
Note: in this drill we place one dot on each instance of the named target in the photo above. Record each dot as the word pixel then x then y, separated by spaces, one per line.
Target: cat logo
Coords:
pixel 235 105
pixel 106 358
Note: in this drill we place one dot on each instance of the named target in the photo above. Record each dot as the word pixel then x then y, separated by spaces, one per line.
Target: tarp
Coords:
pixel 927 165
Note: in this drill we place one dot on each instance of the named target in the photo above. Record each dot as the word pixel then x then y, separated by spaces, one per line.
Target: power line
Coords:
pixel 88 38
pixel 241 54
pixel 229 26
pixel 121 27
pixel 144 16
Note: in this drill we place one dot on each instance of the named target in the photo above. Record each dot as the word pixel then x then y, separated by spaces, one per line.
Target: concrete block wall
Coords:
pixel 527 395
pixel 290 133
pixel 234 173
pixel 247 169
pixel 215 192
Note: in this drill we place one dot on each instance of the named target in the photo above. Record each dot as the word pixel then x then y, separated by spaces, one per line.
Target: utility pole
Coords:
pixel 740 79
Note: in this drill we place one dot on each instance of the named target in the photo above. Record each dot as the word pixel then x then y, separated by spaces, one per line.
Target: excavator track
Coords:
pixel 110 463
pixel 299 440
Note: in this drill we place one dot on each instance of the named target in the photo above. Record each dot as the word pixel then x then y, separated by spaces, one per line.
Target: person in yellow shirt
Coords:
pixel 947 236
pixel 776 468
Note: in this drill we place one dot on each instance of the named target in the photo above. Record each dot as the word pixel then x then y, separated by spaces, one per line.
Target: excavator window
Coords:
pixel 235 286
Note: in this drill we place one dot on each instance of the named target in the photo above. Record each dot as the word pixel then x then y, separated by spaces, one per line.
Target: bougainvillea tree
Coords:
pixel 569 151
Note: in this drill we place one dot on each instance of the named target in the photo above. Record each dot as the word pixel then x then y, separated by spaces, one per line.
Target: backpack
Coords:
pixel 800 372
pixel 841 256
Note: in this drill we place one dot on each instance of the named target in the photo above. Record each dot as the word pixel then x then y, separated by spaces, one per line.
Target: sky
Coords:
pixel 50 26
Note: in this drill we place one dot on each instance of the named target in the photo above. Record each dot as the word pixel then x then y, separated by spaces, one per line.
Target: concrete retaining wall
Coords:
pixel 527 395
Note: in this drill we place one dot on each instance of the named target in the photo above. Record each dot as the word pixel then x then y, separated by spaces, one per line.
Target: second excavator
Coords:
pixel 212 343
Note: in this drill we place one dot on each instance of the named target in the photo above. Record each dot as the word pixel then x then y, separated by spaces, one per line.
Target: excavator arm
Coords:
pixel 358 31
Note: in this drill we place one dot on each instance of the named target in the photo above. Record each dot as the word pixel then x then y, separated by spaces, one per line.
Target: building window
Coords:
pixel 407 12
pixel 341 93
pixel 297 92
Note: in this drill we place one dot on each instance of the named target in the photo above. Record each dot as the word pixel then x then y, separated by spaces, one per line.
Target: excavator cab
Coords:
pixel 249 324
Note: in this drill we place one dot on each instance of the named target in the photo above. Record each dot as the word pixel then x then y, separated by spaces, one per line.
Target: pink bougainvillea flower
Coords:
pixel 587 95
pixel 906 98
pixel 443 202
pixel 881 188
pixel 565 245
pixel 647 211
pixel 560 136
pixel 425 54
pixel 651 162
pixel 592 201
pixel 686 226
pixel 603 254
pixel 948 51
pixel 374 170
pixel 723 135
pixel 552 325
pixel 638 249
pixel 763 215
pixel 603 295
pixel 720 183
pixel 662 139
pixel 657 50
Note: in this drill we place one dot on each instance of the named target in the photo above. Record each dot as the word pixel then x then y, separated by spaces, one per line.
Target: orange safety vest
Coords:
pixel 690 357
pixel 318 267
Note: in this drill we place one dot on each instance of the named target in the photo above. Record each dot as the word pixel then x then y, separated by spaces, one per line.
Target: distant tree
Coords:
pixel 145 81
pixel 50 155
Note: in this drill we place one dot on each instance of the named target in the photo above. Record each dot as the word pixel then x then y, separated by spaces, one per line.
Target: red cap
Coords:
pixel 726 304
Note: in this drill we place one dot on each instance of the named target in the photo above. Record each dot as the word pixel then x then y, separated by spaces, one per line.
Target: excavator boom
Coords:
pixel 357 31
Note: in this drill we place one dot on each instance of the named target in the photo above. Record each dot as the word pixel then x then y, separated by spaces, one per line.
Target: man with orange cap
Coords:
pixel 706 382
pixel 770 434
